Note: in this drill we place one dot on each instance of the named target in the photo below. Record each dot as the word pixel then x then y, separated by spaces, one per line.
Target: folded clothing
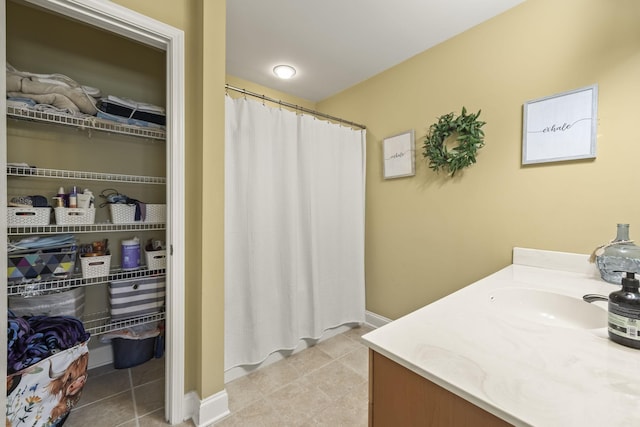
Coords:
pixel 29 202
pixel 20 102
pixel 43 243
pixel 127 121
pixel 135 105
pixel 130 109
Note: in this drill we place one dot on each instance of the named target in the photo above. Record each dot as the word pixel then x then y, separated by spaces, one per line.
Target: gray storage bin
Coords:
pixel 63 303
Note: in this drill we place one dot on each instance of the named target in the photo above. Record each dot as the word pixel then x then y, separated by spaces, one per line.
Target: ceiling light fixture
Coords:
pixel 284 71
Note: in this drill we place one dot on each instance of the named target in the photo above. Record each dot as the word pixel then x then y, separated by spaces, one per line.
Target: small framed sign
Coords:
pixel 560 127
pixel 398 153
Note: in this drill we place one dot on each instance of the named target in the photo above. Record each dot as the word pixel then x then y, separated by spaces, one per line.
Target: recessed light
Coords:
pixel 284 71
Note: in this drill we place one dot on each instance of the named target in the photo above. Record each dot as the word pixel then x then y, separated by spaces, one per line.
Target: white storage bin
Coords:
pixel 17 217
pixel 156 213
pixel 95 266
pixel 122 214
pixel 75 216
pixel 156 260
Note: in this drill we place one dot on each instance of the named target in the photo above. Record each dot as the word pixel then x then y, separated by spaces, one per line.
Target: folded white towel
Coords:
pixel 54 89
pixel 55 79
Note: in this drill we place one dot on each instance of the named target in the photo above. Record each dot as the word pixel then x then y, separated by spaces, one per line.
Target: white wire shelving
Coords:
pixel 33 172
pixel 90 228
pixel 37 287
pixel 96 323
pixel 100 323
pixel 86 123
pixel 26 171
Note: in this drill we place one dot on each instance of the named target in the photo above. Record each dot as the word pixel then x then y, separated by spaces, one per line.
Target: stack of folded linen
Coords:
pixel 124 110
pixel 50 91
pixel 31 243
pixel 61 94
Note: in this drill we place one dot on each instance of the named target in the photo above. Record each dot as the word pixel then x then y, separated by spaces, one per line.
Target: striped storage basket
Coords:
pixel 136 297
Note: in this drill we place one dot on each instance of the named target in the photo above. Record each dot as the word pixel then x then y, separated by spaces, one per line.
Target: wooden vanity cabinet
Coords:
pixel 400 397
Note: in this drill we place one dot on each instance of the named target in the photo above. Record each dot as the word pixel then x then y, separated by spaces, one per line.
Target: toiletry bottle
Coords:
pixel 73 198
pixel 62 196
pixel 624 313
pixel 130 254
pixel 85 199
pixel 89 194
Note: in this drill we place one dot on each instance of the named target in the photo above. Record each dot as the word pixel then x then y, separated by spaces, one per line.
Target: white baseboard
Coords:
pixel 206 412
pixel 375 320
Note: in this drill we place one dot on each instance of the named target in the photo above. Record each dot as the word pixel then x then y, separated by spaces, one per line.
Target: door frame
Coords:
pixel 135 26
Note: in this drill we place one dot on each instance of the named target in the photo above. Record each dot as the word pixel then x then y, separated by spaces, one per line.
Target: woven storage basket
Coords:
pixel 156 260
pixel 95 266
pixel 75 216
pixel 156 213
pixel 122 214
pixel 17 217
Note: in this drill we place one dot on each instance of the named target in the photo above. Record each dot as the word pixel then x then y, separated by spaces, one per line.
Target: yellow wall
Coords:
pixel 204 91
pixel 211 259
pixel 429 235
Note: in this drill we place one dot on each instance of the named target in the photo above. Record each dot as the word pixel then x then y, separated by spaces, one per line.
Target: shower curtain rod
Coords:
pixel 294 106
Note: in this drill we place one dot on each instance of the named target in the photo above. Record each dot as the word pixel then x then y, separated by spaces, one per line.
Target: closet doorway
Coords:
pixel 113 19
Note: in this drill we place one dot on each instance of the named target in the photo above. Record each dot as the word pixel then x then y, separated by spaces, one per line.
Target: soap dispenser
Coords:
pixel 624 313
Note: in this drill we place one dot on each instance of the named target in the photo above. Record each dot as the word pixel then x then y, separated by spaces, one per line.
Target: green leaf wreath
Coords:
pixel 469 135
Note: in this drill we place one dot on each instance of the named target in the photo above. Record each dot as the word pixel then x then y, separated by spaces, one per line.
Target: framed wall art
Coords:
pixel 560 127
pixel 398 153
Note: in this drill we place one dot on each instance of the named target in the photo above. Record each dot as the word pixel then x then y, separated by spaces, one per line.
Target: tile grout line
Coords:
pixel 133 397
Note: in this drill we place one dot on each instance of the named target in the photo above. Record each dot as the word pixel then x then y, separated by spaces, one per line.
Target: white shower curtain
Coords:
pixel 294 229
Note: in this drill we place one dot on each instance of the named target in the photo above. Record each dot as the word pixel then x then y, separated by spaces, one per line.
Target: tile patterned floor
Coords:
pixel 122 398
pixel 324 385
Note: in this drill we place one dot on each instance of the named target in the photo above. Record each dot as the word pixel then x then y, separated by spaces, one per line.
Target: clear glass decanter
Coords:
pixel 618 257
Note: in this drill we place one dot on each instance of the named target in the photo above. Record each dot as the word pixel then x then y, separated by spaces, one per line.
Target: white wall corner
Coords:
pixel 206 412
pixel 375 320
pixel 100 356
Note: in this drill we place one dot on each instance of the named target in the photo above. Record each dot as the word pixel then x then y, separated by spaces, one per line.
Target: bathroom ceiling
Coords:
pixel 335 44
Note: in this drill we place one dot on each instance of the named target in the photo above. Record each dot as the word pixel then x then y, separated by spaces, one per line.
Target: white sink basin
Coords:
pixel 549 308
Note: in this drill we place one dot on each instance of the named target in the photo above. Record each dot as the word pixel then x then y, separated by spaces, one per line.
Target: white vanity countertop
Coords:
pixel 529 368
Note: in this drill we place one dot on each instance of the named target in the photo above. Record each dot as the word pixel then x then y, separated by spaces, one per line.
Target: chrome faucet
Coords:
pixel 595 297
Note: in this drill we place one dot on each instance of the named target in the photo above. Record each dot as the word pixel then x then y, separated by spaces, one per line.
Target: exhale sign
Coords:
pixel 399 155
pixel 560 127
